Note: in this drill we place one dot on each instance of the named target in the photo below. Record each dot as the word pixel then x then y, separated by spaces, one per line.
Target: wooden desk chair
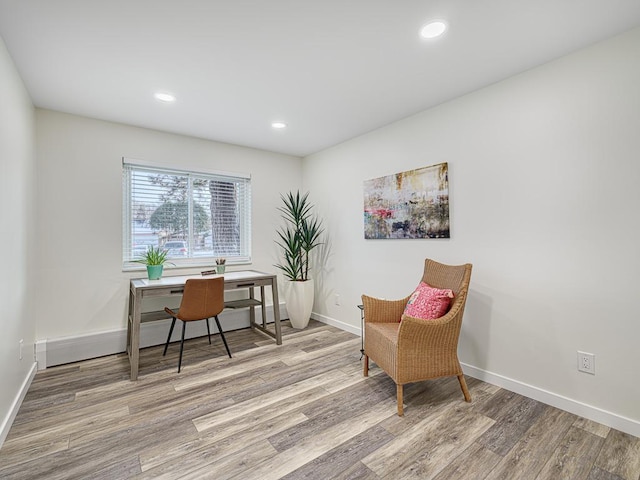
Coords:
pixel 411 349
pixel 201 300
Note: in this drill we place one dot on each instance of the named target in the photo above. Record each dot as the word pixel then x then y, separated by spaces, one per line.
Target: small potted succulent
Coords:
pixel 154 259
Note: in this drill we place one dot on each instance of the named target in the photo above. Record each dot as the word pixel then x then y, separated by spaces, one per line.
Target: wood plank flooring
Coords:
pixel 301 410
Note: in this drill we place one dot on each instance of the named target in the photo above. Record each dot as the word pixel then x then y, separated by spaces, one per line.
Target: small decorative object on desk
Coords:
pixel 220 265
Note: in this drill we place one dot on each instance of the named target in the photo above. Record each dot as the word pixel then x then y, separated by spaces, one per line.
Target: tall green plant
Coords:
pixel 299 236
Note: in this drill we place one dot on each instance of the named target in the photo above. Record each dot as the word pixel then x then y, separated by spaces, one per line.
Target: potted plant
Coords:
pixel 297 238
pixel 154 258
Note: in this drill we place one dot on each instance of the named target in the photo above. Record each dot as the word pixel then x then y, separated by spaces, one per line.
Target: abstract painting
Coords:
pixel 413 204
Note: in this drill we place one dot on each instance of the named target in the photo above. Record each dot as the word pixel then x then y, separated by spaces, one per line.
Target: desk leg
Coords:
pixel 276 311
pixel 134 335
pixel 129 317
pixel 263 307
pixel 252 309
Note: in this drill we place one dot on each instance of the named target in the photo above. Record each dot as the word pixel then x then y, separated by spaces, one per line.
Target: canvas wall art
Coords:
pixel 413 204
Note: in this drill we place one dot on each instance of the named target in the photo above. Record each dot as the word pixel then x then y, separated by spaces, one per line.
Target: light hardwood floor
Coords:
pixel 300 410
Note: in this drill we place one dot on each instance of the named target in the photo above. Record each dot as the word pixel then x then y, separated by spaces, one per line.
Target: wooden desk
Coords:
pixel 141 288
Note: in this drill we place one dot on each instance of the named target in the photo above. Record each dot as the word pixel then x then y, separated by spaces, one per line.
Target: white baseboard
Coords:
pixel 336 323
pixel 15 406
pixel 570 405
pixel 58 351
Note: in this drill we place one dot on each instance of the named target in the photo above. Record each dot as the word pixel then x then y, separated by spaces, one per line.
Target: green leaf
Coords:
pixel 153 256
pixel 300 235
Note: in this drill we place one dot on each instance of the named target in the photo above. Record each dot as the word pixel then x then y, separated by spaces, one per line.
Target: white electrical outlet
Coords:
pixel 336 299
pixel 587 362
pixel 21 345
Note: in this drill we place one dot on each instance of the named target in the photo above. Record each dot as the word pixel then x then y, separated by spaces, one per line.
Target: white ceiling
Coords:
pixel 331 69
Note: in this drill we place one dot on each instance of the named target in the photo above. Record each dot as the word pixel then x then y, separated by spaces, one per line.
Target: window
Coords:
pixel 195 216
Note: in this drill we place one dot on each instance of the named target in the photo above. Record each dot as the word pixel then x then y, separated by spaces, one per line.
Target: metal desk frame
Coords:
pixel 361 307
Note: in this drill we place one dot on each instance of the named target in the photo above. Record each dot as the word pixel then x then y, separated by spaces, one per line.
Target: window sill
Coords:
pixel 182 265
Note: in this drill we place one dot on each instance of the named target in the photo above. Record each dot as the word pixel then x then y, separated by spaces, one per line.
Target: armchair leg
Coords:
pixel 400 405
pixel 365 366
pixel 463 386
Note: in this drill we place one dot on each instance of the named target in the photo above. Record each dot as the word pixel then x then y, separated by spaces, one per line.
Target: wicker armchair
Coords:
pixel 414 349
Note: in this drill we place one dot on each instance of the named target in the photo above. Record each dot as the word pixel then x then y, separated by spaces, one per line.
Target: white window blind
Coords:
pixel 196 216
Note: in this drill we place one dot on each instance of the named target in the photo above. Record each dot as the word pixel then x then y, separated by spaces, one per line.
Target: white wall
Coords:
pixel 17 220
pixel 81 286
pixel 544 172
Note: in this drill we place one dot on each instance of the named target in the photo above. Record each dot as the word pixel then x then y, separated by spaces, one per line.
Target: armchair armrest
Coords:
pixel 440 334
pixel 378 310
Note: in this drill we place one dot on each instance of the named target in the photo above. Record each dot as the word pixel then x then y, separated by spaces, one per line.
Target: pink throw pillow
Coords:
pixel 428 303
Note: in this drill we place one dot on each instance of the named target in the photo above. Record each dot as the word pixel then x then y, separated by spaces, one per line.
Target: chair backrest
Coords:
pixel 202 298
pixel 439 275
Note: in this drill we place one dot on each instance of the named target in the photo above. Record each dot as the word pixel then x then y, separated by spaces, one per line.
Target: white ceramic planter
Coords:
pixel 299 298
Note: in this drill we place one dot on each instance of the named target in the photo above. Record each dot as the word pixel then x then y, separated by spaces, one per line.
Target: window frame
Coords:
pixel 244 203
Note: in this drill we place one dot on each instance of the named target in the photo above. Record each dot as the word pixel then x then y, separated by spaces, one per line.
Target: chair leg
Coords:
pixel 222 335
pixel 465 390
pixel 365 366
pixel 184 324
pixel 173 322
pixel 208 330
pixel 400 405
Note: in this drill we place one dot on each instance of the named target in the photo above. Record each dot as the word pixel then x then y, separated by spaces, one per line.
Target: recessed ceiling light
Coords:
pixel 165 97
pixel 433 29
pixel 279 125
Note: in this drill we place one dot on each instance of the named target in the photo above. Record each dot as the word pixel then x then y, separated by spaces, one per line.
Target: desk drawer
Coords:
pixel 246 284
pixel 163 292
